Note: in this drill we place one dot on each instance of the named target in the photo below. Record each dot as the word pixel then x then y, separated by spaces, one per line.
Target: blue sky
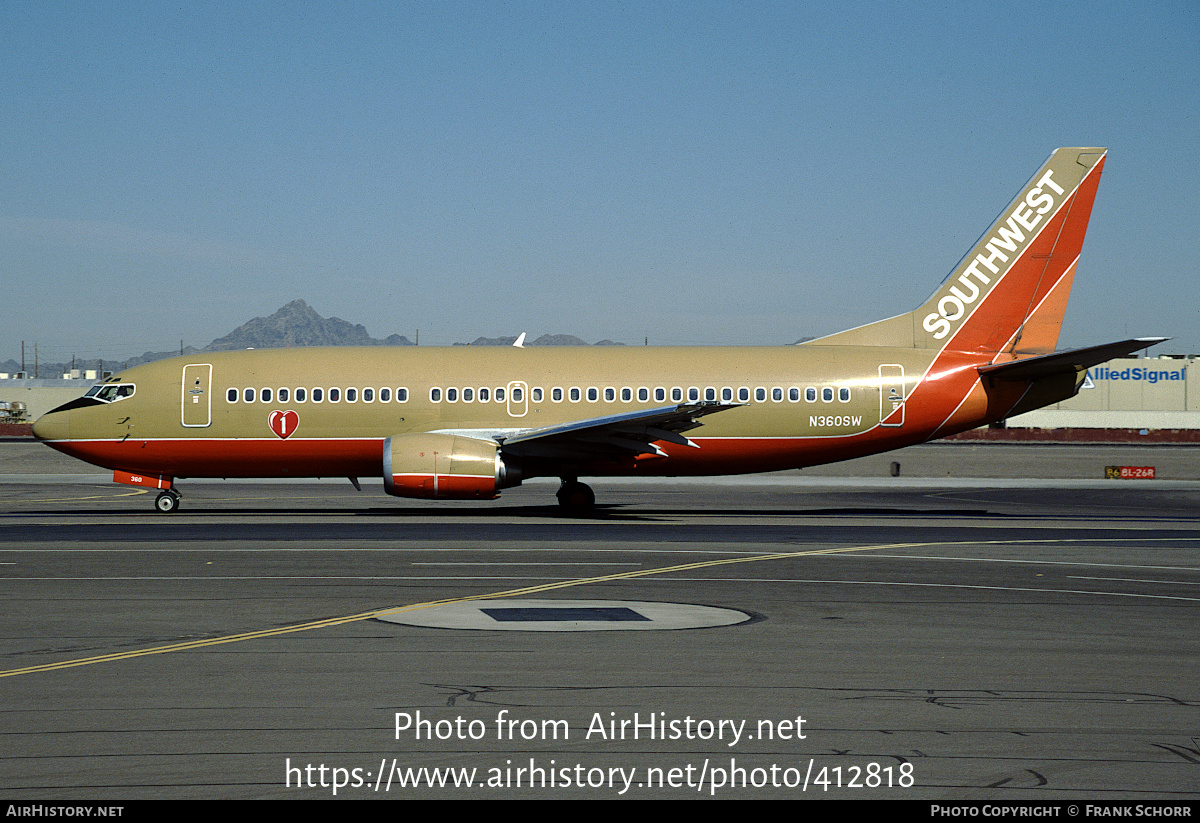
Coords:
pixel 694 173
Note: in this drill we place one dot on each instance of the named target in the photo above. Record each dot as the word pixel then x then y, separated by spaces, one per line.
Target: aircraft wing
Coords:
pixel 1074 361
pixel 629 434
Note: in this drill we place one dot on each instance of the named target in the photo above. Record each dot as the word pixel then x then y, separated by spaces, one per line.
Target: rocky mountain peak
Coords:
pixel 297 324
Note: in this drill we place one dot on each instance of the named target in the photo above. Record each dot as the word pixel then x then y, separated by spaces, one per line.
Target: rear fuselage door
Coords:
pixel 197 394
pixel 891 395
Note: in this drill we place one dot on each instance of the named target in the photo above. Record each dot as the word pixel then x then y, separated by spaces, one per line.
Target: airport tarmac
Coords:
pixel 954 636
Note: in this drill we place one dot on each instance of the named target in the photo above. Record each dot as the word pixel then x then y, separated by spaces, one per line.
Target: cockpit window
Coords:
pixel 112 392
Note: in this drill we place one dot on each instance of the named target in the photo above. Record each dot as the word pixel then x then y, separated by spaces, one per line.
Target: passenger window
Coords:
pixel 231 396
pixel 643 395
pixel 626 395
pixel 435 395
pixel 485 395
pixel 794 394
pixel 660 394
pixel 693 393
pixel 468 395
pixel 574 394
pixel 283 395
pixel 743 395
pixel 385 395
pixel 536 394
pixel 518 394
pixel 335 395
pixel 318 395
pixel 451 395
pixel 592 394
pixel 401 395
pixel 265 395
pixel 351 395
pixel 499 394
pixel 300 395
pixel 810 395
pixel 610 394
pixel 844 394
pixel 556 394
pixel 368 395
pixel 710 393
pixel 777 394
pixel 760 394
pixel 676 395
pixel 726 394
pixel 827 394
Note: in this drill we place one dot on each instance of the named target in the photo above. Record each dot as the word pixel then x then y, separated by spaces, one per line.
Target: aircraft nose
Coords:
pixel 54 425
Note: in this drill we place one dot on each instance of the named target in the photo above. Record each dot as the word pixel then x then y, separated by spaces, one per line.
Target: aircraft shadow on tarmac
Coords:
pixel 602 512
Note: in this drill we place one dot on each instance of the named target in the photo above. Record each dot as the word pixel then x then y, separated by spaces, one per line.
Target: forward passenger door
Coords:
pixel 196 395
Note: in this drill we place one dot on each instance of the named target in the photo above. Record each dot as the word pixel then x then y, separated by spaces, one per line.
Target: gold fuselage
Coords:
pixel 799 405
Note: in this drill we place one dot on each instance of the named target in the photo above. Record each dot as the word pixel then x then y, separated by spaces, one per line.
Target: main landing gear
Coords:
pixel 167 501
pixel 575 497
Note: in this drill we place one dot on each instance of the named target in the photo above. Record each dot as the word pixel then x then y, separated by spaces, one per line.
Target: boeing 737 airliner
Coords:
pixel 465 423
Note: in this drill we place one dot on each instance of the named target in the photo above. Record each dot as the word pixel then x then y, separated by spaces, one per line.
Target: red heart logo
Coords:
pixel 283 423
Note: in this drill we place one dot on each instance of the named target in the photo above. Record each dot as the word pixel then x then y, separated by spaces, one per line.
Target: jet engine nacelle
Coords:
pixel 445 466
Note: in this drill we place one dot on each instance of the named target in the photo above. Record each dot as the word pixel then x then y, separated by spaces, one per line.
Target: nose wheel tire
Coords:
pixel 167 502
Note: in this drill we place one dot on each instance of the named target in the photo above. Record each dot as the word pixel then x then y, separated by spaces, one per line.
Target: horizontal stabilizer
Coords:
pixel 1074 361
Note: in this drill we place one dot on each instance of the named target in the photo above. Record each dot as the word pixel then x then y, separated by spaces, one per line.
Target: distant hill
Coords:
pixel 296 324
pixel 558 340
pixel 544 340
pixel 490 341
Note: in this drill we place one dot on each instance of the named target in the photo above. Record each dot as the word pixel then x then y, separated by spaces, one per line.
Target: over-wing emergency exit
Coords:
pixel 467 422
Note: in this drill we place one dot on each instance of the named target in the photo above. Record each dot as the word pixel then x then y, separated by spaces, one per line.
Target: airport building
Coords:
pixel 1128 393
pixel 25 399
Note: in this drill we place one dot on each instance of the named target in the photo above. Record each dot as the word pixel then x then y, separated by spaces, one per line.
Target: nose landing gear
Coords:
pixel 167 501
